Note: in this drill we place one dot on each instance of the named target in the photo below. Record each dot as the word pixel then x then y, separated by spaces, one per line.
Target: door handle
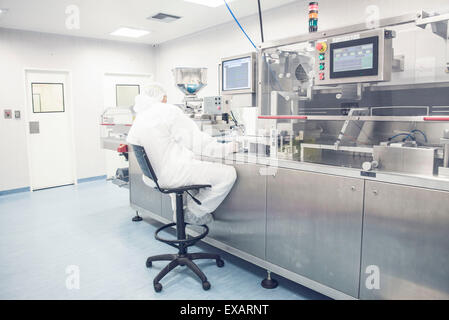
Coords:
pixel 34 127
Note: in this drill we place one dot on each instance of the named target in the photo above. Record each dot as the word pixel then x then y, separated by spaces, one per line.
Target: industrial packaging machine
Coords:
pixel 347 188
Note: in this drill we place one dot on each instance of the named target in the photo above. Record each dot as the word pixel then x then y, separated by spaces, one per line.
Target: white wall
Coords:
pixel 87 60
pixel 204 49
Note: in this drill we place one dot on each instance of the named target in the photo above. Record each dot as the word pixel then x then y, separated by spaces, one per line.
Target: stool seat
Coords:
pixel 186 188
pixel 182 242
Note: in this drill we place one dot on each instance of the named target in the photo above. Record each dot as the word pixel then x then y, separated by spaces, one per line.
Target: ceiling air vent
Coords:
pixel 163 17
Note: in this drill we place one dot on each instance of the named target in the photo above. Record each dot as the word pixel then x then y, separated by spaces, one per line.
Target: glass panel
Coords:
pixel 126 93
pixel 48 97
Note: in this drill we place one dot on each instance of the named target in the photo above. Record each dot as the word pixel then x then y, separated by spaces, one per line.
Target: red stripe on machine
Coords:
pixel 436 118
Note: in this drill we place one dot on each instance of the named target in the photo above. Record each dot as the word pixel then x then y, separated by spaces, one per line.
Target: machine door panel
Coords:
pixel 240 220
pixel 405 236
pixel 314 227
pixel 142 195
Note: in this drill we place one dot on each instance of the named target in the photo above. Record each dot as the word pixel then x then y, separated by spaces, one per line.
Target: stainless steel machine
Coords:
pixel 115 123
pixel 207 112
pixel 351 198
pixel 191 81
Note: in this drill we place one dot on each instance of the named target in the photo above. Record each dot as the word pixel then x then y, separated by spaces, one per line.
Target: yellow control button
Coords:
pixel 321 47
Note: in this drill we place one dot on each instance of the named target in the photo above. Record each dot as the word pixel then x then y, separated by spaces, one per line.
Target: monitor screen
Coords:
pixel 237 74
pixel 355 58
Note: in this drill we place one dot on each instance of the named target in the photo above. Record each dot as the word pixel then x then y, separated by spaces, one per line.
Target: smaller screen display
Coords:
pixel 237 74
pixel 354 58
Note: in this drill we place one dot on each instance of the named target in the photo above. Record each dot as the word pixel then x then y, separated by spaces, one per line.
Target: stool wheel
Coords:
pixel 157 287
pixel 220 263
pixel 206 285
pixel 149 263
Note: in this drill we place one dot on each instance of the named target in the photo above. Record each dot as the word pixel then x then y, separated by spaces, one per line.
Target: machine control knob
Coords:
pixel 321 47
pixel 368 166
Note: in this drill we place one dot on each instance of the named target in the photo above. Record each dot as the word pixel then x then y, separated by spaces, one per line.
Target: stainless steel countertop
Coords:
pixel 421 181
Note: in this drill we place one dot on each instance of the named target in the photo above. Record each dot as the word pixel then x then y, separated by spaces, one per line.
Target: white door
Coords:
pixel 49 129
pixel 119 92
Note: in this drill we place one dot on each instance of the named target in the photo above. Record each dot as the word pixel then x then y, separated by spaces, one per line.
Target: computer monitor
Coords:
pixel 237 74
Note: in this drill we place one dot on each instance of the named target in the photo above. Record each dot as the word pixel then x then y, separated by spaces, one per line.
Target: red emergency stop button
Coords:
pixel 322 77
pixel 321 47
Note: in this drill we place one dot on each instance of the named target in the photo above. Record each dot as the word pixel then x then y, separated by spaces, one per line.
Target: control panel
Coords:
pixel 212 105
pixel 362 57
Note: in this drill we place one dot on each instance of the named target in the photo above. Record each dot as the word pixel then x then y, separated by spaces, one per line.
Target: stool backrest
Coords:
pixel 144 163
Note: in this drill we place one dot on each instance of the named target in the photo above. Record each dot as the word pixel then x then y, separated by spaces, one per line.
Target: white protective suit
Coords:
pixel 171 140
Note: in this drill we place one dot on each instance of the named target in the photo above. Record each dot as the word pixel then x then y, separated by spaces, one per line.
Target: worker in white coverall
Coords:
pixel 171 140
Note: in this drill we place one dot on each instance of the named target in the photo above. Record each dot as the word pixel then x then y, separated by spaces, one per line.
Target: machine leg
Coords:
pixel 269 283
pixel 137 218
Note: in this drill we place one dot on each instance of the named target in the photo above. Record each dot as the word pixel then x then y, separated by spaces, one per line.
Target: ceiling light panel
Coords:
pixel 129 32
pixel 209 3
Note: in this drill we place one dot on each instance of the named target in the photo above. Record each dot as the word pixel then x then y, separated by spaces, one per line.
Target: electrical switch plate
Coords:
pixel 8 113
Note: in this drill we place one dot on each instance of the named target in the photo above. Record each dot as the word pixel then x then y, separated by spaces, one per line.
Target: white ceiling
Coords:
pixel 98 18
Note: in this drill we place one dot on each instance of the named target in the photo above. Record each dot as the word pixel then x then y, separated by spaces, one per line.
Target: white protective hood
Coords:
pixel 143 103
pixel 173 143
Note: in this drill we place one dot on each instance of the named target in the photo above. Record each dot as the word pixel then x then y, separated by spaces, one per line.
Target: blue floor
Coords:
pixel 89 226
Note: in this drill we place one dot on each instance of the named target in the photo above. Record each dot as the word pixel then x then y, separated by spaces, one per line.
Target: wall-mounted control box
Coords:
pixel 212 105
pixel 354 58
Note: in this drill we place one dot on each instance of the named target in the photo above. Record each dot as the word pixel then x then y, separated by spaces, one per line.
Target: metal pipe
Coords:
pixel 446 156
pixel 260 21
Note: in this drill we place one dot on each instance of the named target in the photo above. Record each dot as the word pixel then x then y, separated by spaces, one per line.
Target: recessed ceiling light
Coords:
pixel 129 32
pixel 209 3
pixel 3 11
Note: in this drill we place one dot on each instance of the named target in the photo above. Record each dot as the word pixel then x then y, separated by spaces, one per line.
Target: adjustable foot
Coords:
pixel 137 218
pixel 220 263
pixel 269 283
